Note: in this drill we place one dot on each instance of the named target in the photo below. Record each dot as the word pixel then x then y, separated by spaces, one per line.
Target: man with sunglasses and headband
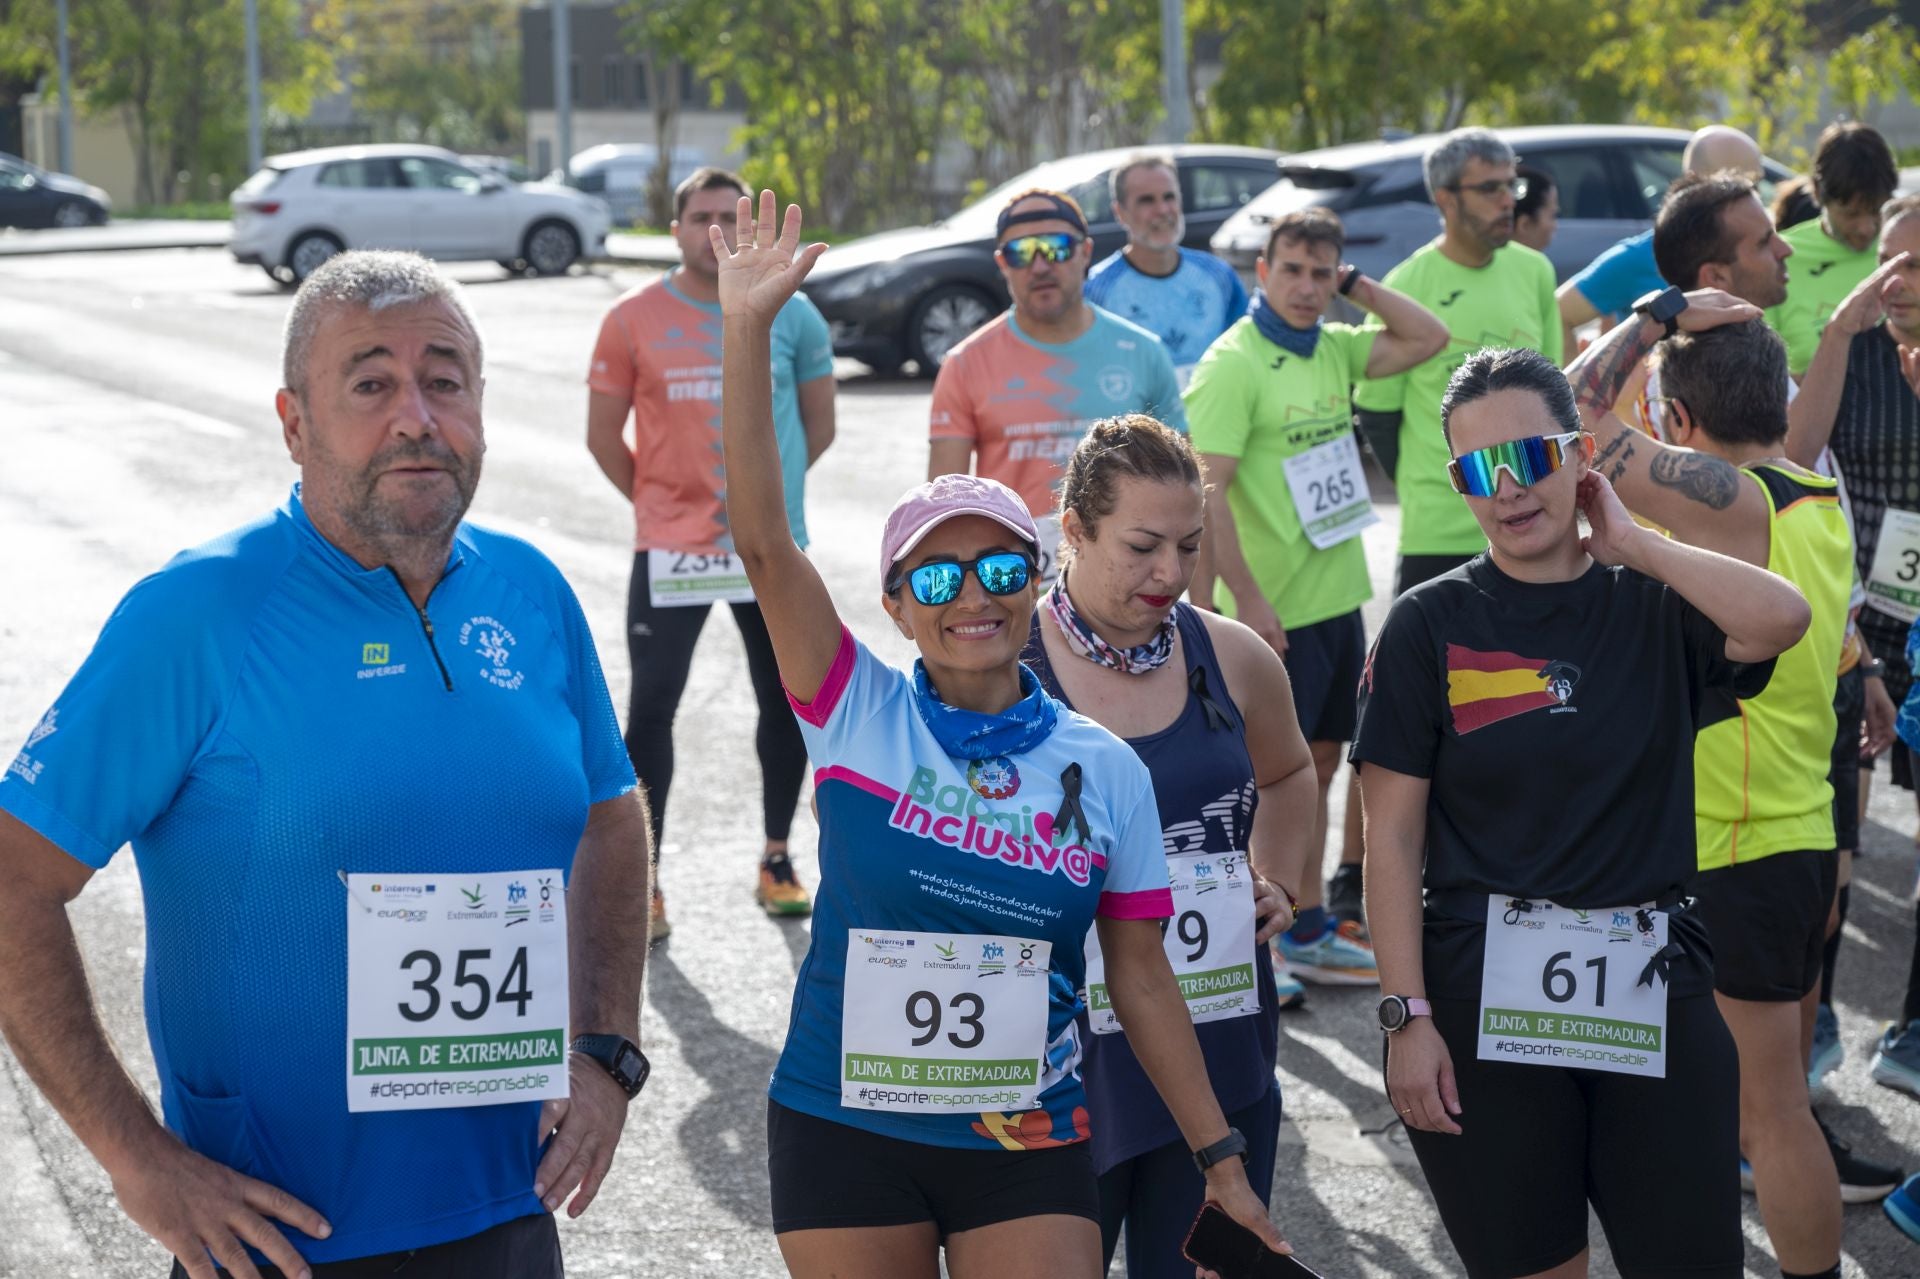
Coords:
pixel 1763 805
pixel 1490 292
pixel 1526 725
pixel 1012 401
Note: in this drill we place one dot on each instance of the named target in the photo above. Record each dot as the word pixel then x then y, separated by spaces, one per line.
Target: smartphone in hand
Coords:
pixel 1231 1251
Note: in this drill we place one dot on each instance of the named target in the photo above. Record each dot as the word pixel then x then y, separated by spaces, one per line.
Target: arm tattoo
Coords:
pixel 1602 368
pixel 1698 476
pixel 1621 445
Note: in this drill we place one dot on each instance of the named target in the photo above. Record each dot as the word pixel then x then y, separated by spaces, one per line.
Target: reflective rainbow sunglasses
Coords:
pixel 1054 246
pixel 1528 461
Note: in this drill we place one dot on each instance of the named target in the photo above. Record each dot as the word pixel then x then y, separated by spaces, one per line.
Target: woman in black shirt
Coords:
pixel 1526 757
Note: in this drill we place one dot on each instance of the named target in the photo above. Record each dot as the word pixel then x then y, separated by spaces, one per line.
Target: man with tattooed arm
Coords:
pixel 1763 805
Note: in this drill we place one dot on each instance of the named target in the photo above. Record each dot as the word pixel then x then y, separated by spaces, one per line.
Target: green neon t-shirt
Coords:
pixel 1506 303
pixel 1820 274
pixel 1252 401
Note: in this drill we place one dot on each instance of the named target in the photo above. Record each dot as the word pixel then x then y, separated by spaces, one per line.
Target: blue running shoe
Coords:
pixel 1828 1051
pixel 1287 990
pixel 1338 957
pixel 1903 1207
pixel 1896 1059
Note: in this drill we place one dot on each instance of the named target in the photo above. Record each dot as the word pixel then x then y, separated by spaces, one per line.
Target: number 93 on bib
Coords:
pixel 1565 987
pixel 1209 941
pixel 943 1023
pixel 456 989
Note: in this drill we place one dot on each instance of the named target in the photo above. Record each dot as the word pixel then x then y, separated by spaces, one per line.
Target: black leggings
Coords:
pixel 660 645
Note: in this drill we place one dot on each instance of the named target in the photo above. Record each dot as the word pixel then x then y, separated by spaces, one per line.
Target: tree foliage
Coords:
pixel 440 71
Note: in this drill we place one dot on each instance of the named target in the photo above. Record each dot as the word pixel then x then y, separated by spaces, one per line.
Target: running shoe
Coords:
pixel 1287 990
pixel 657 925
pixel 1861 1180
pixel 1903 1208
pixel 1346 897
pixel 778 892
pixel 1896 1059
pixel 1338 957
pixel 1828 1051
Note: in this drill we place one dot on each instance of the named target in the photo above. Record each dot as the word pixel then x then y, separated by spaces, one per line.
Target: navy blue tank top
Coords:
pixel 1203 779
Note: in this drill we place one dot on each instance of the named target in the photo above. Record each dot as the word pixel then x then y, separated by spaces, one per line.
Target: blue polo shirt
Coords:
pixel 262 715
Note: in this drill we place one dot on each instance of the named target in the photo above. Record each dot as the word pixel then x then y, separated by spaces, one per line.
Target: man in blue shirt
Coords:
pixel 1610 284
pixel 345 741
pixel 1184 297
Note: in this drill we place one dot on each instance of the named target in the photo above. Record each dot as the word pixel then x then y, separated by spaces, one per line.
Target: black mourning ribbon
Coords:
pixel 1216 717
pixel 1661 964
pixel 1070 810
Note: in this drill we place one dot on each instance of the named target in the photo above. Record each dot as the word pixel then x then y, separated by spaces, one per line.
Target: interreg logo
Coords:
pixel 495 644
pixel 957 818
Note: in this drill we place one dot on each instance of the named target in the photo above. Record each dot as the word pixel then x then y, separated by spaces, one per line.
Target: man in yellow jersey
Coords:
pixel 1763 805
pixel 1853 175
pixel 1489 292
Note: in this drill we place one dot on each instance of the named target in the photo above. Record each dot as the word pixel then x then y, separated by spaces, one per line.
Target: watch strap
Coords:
pixel 1234 1143
pixel 1663 306
pixel 1348 279
pixel 607 1050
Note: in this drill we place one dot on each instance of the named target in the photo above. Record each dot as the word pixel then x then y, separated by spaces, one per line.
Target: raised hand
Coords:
pixel 1710 308
pixel 758 277
pixel 1864 307
pixel 1910 366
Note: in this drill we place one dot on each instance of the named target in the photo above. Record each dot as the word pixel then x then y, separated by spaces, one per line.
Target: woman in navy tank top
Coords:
pixel 1112 640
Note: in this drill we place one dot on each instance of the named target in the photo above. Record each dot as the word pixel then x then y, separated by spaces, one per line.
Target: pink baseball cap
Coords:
pixel 925 506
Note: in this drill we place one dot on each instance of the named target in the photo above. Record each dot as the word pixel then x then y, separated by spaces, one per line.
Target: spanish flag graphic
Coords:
pixel 1485 688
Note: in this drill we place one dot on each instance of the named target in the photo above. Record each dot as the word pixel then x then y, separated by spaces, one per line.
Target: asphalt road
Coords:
pixel 136 418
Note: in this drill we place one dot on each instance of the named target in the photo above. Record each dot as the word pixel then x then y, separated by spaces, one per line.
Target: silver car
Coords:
pixel 1610 180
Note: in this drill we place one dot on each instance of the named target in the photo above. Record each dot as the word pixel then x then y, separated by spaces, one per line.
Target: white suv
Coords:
pixel 302 208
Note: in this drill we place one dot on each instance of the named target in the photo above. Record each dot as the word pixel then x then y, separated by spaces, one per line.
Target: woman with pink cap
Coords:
pixel 972 830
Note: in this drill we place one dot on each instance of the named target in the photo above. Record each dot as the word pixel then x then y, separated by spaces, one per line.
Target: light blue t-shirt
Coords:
pixel 261 716
pixel 1621 276
pixel 914 840
pixel 1186 310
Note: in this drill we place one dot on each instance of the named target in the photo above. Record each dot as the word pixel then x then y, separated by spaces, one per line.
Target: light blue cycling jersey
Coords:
pixel 262 715
pixel 1187 310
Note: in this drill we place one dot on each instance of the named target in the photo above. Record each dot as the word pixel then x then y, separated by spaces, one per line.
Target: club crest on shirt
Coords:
pixel 1116 382
pixel 495 644
pixel 995 778
pixel 1485 688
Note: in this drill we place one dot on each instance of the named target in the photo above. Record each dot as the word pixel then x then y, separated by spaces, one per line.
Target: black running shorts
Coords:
pixel 1767 920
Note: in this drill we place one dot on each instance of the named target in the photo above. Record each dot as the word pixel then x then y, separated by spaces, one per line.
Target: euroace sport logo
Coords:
pixel 495 644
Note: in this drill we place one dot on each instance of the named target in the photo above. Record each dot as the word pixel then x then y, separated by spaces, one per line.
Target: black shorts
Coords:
pixel 1767 920
pixel 831 1176
pixel 1843 771
pixel 1657 1158
pixel 1323 663
pixel 524 1248
pixel 1415 569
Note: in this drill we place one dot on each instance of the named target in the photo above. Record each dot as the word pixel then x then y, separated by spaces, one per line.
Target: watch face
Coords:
pixel 630 1066
pixel 1393 1013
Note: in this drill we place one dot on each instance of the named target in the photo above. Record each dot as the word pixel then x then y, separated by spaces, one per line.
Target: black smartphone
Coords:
pixel 1232 1251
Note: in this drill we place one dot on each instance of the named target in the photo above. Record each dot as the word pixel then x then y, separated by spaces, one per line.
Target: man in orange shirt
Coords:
pixel 658 358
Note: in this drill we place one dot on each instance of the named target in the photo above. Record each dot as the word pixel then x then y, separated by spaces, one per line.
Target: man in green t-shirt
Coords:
pixel 1853 175
pixel 1269 408
pixel 1489 292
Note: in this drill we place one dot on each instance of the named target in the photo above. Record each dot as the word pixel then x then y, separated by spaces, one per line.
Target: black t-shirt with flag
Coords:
pixel 1556 724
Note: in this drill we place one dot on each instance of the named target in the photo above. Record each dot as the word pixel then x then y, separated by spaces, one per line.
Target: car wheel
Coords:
pixel 72 213
pixel 943 318
pixel 309 253
pixel 551 248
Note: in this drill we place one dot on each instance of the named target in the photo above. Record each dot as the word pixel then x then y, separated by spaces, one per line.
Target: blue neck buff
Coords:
pixel 1298 342
pixel 971 735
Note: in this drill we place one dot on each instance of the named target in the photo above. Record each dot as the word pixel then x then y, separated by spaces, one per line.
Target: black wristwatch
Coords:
pixel 1873 668
pixel 1234 1143
pixel 621 1057
pixel 1663 307
pixel 1348 279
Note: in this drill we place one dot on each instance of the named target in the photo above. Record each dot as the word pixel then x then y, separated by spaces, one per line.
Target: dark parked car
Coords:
pixel 913 294
pixel 30 196
pixel 1610 179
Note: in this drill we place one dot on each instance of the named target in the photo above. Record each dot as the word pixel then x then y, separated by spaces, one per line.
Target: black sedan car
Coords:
pixel 914 293
pixel 33 197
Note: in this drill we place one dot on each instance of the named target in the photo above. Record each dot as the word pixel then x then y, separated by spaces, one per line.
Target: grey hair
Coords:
pixel 372 280
pixel 1117 180
pixel 1445 163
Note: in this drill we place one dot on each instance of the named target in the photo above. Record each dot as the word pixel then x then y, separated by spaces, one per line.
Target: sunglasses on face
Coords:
pixel 1001 573
pixel 1528 461
pixel 1054 246
pixel 1494 186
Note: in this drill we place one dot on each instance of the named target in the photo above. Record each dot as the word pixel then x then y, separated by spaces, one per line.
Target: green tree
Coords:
pixel 440 71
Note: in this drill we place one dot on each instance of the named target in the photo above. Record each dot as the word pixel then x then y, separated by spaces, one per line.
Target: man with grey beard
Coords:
pixel 382 817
